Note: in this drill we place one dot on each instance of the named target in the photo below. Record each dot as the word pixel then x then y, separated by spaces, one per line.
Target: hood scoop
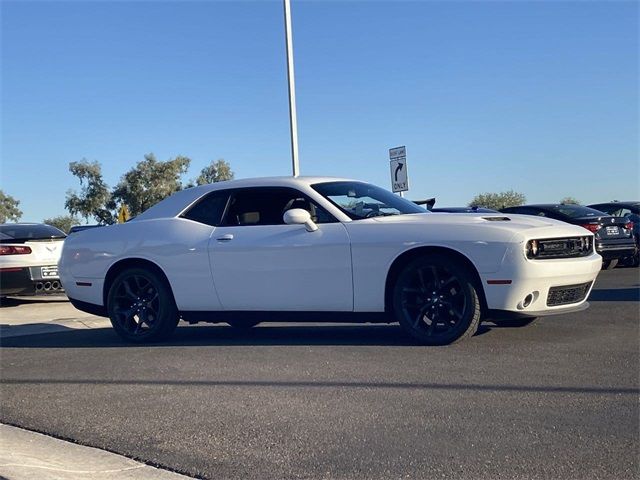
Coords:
pixel 497 219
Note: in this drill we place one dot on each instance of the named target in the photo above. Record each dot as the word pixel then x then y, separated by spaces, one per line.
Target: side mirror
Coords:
pixel 299 216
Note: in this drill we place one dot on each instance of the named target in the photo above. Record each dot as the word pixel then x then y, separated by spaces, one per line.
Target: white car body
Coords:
pixel 34 272
pixel 340 267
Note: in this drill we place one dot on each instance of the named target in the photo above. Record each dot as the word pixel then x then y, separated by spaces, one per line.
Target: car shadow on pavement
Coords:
pixel 17 301
pixel 615 295
pixel 222 335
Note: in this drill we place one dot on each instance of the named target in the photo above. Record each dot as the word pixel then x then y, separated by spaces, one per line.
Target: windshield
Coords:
pixel 363 200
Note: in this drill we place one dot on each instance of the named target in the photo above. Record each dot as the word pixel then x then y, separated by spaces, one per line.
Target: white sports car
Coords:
pixel 308 248
pixel 29 254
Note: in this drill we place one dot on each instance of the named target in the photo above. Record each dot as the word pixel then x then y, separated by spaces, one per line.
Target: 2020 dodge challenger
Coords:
pixel 318 248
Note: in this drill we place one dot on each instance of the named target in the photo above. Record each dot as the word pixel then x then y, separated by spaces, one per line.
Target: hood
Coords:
pixel 507 220
pixel 527 225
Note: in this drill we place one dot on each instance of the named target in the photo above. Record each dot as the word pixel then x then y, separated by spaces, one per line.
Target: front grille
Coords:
pixel 567 294
pixel 565 247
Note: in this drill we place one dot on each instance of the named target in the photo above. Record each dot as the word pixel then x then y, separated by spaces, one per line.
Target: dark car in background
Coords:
pixel 613 235
pixel 629 210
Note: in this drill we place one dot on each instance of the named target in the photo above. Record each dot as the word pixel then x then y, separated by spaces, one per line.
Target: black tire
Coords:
pixel 436 301
pixel 609 264
pixel 141 306
pixel 243 324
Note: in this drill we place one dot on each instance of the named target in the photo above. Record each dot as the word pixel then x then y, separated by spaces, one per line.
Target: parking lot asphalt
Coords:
pixel 555 399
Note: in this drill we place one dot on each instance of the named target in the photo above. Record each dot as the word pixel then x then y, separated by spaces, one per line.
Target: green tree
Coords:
pixel 216 171
pixel 497 201
pixel 63 222
pixel 149 182
pixel 9 210
pixel 94 198
pixel 569 201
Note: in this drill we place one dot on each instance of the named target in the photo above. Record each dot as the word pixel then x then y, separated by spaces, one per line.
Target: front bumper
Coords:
pixel 611 251
pixel 526 284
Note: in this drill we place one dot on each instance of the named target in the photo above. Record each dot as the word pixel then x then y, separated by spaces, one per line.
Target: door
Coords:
pixel 259 263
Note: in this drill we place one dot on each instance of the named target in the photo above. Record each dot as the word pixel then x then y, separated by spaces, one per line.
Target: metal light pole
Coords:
pixel 293 121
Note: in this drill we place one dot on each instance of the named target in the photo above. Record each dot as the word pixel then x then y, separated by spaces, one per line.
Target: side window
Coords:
pixel 624 212
pixel 208 210
pixel 266 206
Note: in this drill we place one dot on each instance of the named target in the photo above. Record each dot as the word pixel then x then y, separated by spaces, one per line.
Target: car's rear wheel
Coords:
pixel 141 306
pixel 609 264
pixel 436 301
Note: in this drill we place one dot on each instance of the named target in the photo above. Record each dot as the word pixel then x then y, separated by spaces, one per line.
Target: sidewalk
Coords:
pixel 37 315
pixel 26 455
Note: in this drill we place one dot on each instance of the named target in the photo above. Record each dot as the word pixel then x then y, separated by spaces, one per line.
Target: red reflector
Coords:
pixel 14 250
pixel 592 227
pixel 499 282
pixel 10 269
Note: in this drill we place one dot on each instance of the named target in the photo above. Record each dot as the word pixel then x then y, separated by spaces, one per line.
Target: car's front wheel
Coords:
pixel 141 306
pixel 435 300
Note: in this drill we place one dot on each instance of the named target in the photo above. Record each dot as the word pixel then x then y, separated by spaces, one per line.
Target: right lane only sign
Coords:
pixel 398 164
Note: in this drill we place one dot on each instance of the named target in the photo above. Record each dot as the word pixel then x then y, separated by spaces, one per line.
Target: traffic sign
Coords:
pixel 398 165
pixel 397 152
pixel 123 214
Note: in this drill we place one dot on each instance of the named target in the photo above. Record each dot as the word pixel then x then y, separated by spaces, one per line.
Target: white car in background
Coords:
pixel 310 248
pixel 29 254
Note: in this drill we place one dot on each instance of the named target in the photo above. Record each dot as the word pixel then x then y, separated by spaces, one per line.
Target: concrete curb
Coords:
pixel 26 455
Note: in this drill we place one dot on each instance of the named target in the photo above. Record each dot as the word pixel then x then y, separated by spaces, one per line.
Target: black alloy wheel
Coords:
pixel 141 306
pixel 435 300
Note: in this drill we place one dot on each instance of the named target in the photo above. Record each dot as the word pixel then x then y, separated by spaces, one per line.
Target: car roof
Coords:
pixel 271 181
pixel 548 205
pixel 622 204
pixel 173 205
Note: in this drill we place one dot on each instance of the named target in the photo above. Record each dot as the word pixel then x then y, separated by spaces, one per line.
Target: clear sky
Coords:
pixel 539 97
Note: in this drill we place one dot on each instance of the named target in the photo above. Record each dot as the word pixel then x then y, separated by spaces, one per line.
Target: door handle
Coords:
pixel 225 238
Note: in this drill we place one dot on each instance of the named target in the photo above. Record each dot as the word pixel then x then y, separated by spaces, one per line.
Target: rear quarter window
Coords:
pixel 209 209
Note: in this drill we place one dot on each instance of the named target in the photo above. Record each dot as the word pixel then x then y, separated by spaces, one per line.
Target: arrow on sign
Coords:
pixel 398 168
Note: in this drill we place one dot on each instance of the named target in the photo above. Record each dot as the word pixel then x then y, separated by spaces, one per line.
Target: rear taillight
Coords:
pixel 592 227
pixel 14 250
pixel 629 226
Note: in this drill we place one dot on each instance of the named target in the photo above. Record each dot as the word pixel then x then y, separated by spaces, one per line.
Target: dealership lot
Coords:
pixel 555 399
